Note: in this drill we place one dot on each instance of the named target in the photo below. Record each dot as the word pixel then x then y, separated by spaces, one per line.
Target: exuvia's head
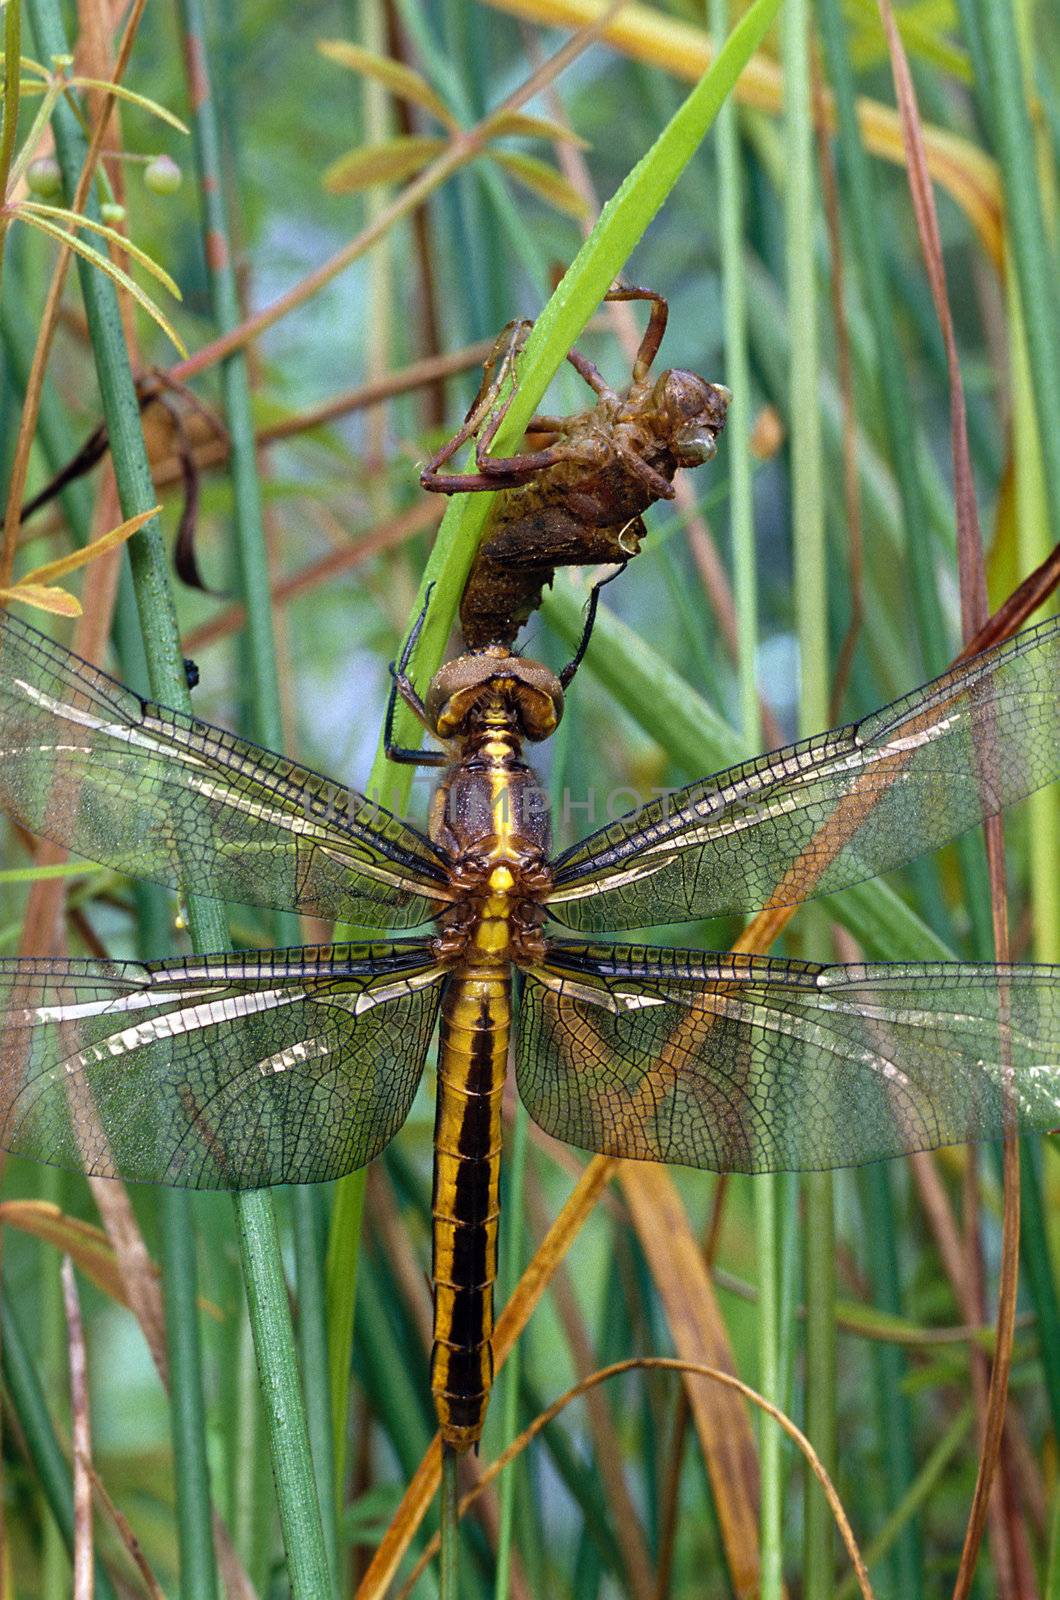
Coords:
pixel 690 413
pixel 462 691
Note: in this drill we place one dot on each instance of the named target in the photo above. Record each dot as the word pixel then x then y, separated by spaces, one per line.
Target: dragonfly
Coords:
pixel 576 492
pixel 243 1070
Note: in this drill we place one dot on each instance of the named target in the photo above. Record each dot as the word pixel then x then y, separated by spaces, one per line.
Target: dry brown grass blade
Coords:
pixel 1022 603
pixel 88 1246
pixel 651 35
pixel 682 1279
pixel 84 1576
pixel 125 1533
pixel 417 1498
pixel 689 1368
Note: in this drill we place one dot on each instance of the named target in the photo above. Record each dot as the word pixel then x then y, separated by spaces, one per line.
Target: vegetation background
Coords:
pixel 808 575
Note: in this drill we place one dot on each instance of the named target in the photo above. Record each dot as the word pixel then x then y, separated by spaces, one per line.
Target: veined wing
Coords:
pixel 747 1064
pixel 158 795
pixel 835 809
pixel 219 1072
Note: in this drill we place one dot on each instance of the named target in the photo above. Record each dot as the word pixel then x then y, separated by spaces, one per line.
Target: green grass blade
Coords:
pixel 1032 257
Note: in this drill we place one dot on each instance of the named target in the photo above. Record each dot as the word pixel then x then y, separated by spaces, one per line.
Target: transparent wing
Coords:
pixel 833 810
pixel 88 764
pixel 747 1064
pixel 222 1072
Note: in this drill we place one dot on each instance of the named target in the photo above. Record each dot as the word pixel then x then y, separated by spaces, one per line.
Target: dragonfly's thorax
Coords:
pixel 490 815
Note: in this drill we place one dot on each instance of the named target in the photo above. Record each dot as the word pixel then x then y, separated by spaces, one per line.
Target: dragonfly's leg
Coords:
pixel 402 685
pixel 498 367
pixel 587 632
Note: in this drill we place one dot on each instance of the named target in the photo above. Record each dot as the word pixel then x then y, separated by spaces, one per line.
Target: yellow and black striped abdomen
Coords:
pixel 472 1060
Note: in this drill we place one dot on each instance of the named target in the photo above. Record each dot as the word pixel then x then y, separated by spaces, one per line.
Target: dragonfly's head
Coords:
pixel 688 414
pixel 494 680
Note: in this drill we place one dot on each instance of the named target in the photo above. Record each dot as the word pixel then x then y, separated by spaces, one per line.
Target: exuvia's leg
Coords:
pixel 653 334
pixel 497 368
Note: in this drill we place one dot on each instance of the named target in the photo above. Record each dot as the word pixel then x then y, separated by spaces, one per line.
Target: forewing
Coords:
pixel 88 764
pixel 747 1064
pixel 833 810
pixel 226 1072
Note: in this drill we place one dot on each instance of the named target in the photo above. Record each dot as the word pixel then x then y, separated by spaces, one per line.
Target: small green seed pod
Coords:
pixel 44 177
pixel 163 176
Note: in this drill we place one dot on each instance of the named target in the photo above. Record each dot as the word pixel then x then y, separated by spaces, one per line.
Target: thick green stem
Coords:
pixel 811 615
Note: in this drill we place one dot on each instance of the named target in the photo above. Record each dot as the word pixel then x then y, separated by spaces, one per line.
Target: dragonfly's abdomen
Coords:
pixel 472 1059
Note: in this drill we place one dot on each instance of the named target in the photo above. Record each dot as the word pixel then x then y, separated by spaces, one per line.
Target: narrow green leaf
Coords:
pixel 389 162
pixel 76 219
pixel 107 267
pixel 543 180
pixel 120 92
pixel 28 64
pixel 401 80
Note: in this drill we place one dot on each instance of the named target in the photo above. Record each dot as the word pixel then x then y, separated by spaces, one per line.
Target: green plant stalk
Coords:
pixel 621 223
pixel 449 1555
pixel 180 1294
pixel 745 589
pixel 274 1337
pixel 1043 849
pixel 262 713
pixel 198 1571
pixel 917 1495
pixel 1052 1576
pixel 31 1408
pixel 891 1371
pixel 252 1520
pixel 52 1365
pixel 1010 123
pixel 811 620
pixel 12 91
pixel 340 1298
pixel 864 213
pixel 511 1266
